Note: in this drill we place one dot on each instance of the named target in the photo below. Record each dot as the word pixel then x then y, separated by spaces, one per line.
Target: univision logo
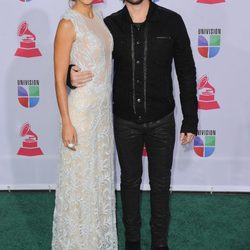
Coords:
pixel 209 41
pixel 204 143
pixel 28 93
pixel 210 1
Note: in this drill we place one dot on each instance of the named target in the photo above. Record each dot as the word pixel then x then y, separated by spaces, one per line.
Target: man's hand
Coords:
pixel 78 78
pixel 186 138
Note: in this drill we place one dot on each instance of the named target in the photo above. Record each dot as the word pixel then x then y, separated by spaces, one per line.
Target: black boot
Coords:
pixel 133 245
pixel 160 248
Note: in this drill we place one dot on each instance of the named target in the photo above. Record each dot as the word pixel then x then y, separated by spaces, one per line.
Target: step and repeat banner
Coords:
pixel 219 158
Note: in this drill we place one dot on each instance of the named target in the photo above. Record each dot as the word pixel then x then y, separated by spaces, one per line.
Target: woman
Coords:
pixel 84 216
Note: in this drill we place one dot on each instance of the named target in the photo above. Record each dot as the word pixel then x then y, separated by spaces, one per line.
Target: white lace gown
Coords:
pixel 84 216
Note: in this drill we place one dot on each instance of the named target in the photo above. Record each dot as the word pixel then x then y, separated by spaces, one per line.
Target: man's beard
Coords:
pixel 134 2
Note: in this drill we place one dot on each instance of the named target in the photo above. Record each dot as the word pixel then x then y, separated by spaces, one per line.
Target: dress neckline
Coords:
pixel 82 15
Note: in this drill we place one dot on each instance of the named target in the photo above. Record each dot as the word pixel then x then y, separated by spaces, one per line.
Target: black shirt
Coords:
pixel 143 55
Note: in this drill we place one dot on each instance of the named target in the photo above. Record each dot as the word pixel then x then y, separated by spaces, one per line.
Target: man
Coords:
pixel 147 38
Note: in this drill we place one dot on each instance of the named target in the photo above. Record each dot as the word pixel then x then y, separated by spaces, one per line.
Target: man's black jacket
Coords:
pixel 142 87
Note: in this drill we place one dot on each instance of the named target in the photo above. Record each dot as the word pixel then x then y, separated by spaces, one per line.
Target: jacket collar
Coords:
pixel 151 16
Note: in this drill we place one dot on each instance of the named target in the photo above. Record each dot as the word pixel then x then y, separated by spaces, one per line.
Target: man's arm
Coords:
pixel 186 73
pixel 68 77
pixel 108 22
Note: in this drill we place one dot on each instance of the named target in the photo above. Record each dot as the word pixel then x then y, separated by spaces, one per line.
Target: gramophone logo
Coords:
pixel 210 1
pixel 25 0
pixel 209 41
pixel 204 143
pixel 28 93
pixel 206 95
pixel 30 143
pixel 28 42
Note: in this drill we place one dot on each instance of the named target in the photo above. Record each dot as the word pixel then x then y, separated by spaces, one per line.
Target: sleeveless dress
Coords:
pixel 84 215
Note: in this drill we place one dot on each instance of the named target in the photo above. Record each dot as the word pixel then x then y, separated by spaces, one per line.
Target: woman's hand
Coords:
pixel 69 136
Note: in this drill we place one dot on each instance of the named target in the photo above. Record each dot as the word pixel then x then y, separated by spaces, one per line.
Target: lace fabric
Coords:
pixel 84 215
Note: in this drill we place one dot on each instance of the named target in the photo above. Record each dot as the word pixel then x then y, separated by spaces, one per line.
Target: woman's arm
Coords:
pixel 64 39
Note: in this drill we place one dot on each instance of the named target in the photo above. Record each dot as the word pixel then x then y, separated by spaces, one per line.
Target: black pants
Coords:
pixel 159 139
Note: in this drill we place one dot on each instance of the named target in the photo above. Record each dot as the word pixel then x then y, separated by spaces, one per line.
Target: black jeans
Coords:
pixel 159 139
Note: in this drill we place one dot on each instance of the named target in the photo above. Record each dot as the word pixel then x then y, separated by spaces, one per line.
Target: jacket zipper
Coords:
pixel 145 66
pixel 133 65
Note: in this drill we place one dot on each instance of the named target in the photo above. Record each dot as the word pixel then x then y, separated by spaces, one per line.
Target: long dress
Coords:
pixel 84 215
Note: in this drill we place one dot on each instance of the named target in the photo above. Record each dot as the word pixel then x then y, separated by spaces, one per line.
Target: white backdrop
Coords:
pixel 219 160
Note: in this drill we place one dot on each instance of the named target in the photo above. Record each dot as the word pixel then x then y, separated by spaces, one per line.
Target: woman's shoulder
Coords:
pixel 68 21
pixel 98 12
pixel 69 14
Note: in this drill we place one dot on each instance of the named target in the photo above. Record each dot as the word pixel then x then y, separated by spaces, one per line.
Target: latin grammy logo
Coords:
pixel 206 98
pixel 28 42
pixel 210 1
pixel 29 145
